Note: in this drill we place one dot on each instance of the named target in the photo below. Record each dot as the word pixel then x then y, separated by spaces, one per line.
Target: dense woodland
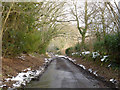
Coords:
pixel 29 27
pixel 101 26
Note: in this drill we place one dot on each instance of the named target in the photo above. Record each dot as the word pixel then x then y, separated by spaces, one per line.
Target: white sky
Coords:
pixel 69 1
pixel 81 2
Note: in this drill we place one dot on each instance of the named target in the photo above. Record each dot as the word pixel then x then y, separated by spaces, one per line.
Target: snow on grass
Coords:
pixel 90 70
pixel 7 79
pixel 46 60
pixel 38 72
pixel 86 52
pixel 113 80
pixel 56 55
pixel 74 60
pixel 95 73
pixel 66 57
pixel 104 57
pixel 75 53
pixel 70 59
pixel 82 66
pixel 17 84
pixel 27 75
pixel 109 65
pixel 21 57
pixel 3 86
pixel 24 77
pixel 27 69
pixel 95 54
pixel 80 54
pixel 49 59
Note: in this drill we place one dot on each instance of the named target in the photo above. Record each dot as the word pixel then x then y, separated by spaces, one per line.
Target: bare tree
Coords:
pixel 115 11
pixel 83 15
pixel 103 21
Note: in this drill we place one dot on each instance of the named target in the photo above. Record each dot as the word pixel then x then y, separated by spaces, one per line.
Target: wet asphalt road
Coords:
pixel 62 73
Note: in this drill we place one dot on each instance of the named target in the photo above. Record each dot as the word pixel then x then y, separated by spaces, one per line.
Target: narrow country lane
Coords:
pixel 62 73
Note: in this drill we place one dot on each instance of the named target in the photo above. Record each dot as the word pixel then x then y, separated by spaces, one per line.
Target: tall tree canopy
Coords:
pixel 28 27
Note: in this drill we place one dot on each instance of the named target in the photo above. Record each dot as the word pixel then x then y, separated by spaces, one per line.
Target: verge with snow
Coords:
pixel 104 58
pixel 27 75
pixel 95 54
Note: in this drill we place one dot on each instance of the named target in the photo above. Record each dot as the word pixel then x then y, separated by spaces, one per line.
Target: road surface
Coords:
pixel 62 73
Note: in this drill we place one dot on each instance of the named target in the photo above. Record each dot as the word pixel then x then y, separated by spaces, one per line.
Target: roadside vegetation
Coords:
pixel 102 24
pixel 88 32
pixel 100 35
pixel 108 47
pixel 29 27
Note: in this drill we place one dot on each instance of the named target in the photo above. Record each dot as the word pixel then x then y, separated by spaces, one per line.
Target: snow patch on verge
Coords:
pixel 75 53
pixel 60 56
pixel 104 57
pixel 95 54
pixel 90 70
pixel 86 52
pixel 2 85
pixel 82 66
pixel 113 80
pixel 27 75
pixel 109 65
pixel 95 73
pixel 21 57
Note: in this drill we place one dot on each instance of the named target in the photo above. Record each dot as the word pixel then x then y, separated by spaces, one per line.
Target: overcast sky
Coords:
pixel 81 3
pixel 56 0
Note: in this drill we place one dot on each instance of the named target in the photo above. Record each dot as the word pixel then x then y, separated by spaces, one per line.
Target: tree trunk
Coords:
pixel 83 41
pixel 103 22
pixel 119 18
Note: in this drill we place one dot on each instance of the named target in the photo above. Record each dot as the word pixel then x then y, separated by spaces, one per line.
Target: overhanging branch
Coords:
pixel 66 21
